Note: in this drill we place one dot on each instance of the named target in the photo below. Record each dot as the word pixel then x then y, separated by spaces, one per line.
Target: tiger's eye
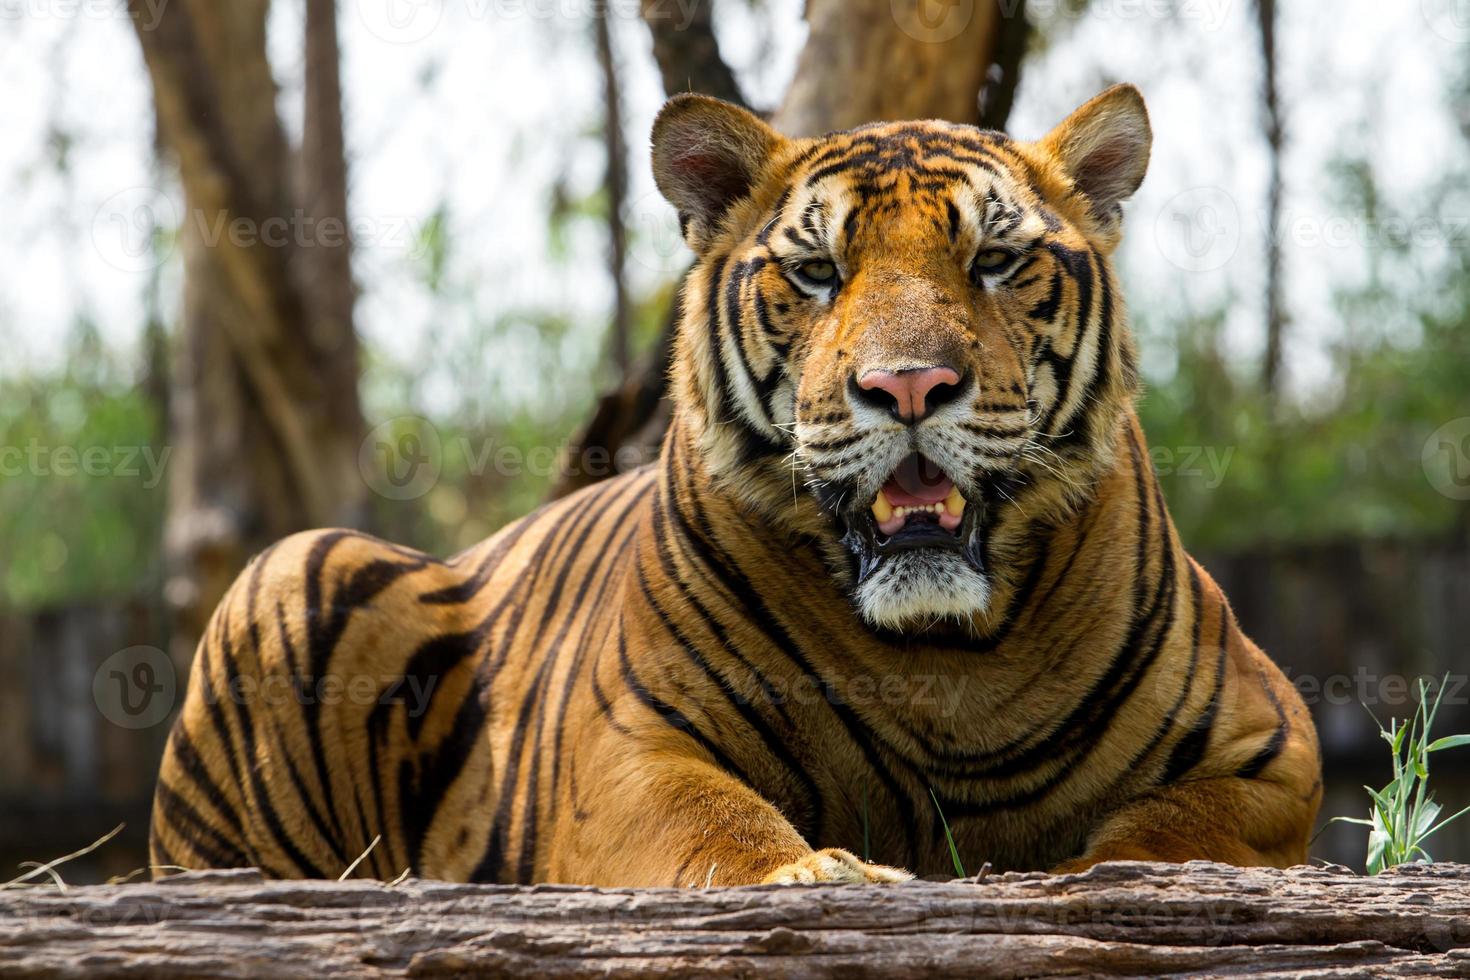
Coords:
pixel 992 260
pixel 818 271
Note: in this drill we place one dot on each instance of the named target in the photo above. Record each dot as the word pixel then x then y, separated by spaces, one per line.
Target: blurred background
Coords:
pixel 399 264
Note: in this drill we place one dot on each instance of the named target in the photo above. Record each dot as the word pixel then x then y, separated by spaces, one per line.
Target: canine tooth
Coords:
pixel 882 509
pixel 955 503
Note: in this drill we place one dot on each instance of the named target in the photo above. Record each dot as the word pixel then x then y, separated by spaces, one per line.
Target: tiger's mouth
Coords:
pixel 917 498
pixel 919 507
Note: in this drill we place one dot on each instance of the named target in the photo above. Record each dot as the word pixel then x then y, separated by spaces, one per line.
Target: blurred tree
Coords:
pixel 265 421
pixel 616 182
pixel 1275 137
pixel 1012 39
pixel 687 52
pixel 868 60
pixel 864 60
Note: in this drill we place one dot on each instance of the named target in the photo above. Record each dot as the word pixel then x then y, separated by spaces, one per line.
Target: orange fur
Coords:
pixel 676 676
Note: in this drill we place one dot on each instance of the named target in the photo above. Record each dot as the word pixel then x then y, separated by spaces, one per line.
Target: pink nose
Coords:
pixel 909 395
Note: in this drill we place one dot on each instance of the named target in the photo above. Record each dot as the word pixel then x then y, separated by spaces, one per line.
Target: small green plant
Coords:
pixel 867 838
pixel 954 852
pixel 1404 814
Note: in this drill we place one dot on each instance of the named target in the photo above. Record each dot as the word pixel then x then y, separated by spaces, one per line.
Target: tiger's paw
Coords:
pixel 834 865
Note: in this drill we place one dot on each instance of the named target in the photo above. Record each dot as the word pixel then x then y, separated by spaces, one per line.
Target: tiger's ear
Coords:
pixel 1103 147
pixel 707 156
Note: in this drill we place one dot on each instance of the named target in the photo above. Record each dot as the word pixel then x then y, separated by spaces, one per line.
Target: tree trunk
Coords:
pixel 264 421
pixel 1271 124
pixel 868 60
pixel 685 48
pixel 1012 38
pixel 1126 919
pixel 615 179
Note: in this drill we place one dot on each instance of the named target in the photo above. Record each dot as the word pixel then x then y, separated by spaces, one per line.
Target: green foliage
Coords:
pixel 867 837
pixel 1404 814
pixel 498 439
pixel 1350 468
pixel 1347 461
pixel 82 468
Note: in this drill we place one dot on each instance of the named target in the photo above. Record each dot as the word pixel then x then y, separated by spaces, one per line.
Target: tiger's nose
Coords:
pixel 910 395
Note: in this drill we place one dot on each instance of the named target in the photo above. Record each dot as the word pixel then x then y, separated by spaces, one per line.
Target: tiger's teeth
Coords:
pixel 955 503
pixel 882 509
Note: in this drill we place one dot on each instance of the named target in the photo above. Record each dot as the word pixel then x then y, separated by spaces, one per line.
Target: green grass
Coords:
pixel 1404 814
pixel 954 852
pixel 867 838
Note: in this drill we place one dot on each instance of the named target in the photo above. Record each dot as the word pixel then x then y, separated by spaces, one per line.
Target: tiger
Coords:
pixel 899 593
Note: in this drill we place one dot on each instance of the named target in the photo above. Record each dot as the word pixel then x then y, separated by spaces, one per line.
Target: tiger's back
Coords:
pixel 348 689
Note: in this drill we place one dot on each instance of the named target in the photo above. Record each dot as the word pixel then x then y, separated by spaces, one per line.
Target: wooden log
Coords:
pixel 1123 919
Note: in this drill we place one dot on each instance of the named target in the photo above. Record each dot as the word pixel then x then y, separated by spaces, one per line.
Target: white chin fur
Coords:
pixel 917 588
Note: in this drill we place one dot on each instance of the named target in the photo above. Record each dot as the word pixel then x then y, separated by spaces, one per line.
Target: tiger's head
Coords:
pixel 915 322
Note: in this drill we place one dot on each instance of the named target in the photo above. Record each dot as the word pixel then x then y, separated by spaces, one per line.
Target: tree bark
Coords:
pixel 265 421
pixel 686 50
pixel 615 180
pixel 1274 132
pixel 1125 919
pixel 868 60
pixel 1012 38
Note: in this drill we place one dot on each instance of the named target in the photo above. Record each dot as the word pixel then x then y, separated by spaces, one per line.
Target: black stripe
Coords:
pixel 260 795
pixel 810 828
pixel 1274 745
pixel 188 764
pixel 764 237
pixel 1077 428
pixel 431 774
pixel 672 716
pixel 1263 758
pixel 607 592
pixel 1086 726
pixel 1191 673
pixel 288 651
pixel 573 539
pixel 470 587
pixel 605 708
pixel 1190 749
pixel 696 531
pixel 184 821
pixel 595 572
pixel 324 629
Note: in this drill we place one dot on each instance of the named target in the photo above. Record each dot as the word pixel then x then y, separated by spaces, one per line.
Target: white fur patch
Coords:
pixel 918 588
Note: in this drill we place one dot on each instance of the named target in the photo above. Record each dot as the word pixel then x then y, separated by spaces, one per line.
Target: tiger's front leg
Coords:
pixel 656 813
pixel 1242 819
pixel 1244 822
pixel 1252 797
